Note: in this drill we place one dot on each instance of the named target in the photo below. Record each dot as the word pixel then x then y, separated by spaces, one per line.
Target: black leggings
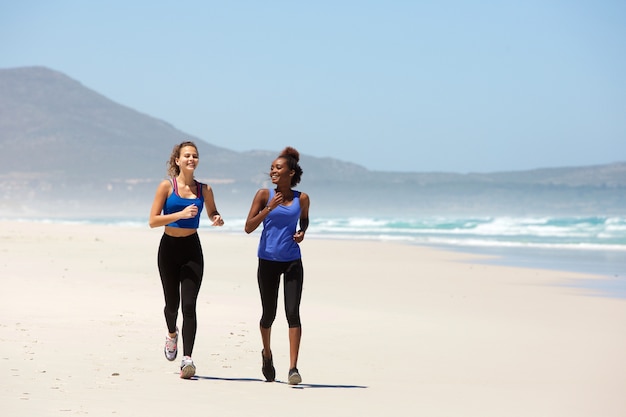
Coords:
pixel 268 276
pixel 181 266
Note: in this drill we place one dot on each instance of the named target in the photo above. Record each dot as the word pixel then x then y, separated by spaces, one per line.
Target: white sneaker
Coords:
pixel 294 377
pixel 171 346
pixel 187 368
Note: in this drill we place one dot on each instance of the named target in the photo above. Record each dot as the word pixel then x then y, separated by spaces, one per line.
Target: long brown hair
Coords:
pixel 172 169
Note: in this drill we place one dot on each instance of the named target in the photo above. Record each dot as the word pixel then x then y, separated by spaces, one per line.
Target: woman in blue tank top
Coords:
pixel 280 209
pixel 177 206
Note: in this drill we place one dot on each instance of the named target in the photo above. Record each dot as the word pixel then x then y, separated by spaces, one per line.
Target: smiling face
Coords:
pixel 280 172
pixel 187 159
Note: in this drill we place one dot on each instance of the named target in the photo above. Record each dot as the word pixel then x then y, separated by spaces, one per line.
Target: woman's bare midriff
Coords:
pixel 179 232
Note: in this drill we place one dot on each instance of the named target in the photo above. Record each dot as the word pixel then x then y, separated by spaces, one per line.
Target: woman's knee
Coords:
pixel 293 319
pixel 267 320
pixel 189 308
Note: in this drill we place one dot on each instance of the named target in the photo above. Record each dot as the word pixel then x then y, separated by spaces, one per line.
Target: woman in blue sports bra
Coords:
pixel 177 206
pixel 280 210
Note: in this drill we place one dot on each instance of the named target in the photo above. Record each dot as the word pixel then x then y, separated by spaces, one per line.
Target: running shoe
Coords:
pixel 268 368
pixel 187 368
pixel 294 377
pixel 171 346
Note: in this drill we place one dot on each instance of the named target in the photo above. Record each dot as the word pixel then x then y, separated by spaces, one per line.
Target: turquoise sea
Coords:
pixel 595 245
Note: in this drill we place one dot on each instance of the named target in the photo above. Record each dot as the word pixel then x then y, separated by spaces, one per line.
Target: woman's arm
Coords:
pixel 259 209
pixel 304 217
pixel 209 204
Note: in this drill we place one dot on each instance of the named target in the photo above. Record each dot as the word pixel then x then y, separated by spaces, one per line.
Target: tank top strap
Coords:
pixel 175 185
pixel 199 190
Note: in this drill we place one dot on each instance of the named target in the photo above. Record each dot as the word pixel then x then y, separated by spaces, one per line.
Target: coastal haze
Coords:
pixel 69 151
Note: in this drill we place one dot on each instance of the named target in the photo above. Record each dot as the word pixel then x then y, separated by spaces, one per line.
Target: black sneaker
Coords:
pixel 294 377
pixel 268 368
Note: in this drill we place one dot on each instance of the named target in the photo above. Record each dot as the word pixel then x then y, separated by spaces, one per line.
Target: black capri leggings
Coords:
pixel 181 266
pixel 268 276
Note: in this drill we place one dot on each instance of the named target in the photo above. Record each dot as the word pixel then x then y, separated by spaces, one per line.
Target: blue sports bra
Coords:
pixel 176 203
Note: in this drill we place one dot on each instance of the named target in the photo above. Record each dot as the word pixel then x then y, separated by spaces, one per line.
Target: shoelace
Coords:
pixel 171 344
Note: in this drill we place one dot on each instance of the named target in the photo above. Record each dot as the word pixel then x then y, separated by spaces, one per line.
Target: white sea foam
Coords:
pixel 590 233
pixel 591 244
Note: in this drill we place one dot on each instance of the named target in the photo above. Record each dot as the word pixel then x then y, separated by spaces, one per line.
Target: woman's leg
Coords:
pixel 170 280
pixel 266 336
pixel 294 279
pixel 295 334
pixel 190 282
pixel 268 278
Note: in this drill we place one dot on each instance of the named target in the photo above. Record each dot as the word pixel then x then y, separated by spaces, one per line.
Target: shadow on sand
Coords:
pixel 300 386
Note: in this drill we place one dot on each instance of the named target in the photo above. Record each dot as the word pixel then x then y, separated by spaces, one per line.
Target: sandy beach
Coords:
pixel 387 329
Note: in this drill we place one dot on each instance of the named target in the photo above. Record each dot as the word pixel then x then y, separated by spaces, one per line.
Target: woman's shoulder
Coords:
pixel 164 189
pixel 165 184
pixel 262 196
pixel 304 200
pixel 205 189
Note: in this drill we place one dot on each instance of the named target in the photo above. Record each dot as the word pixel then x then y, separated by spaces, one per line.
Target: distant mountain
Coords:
pixel 68 149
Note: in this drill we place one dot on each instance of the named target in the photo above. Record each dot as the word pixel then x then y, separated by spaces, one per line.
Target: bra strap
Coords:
pixel 175 185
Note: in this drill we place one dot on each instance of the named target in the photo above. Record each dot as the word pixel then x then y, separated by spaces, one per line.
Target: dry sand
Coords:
pixel 387 329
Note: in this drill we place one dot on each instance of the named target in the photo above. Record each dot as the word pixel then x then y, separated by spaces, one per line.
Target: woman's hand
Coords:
pixel 189 212
pixel 276 201
pixel 217 220
pixel 298 236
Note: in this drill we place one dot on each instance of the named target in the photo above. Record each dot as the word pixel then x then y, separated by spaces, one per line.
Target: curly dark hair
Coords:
pixel 172 169
pixel 292 156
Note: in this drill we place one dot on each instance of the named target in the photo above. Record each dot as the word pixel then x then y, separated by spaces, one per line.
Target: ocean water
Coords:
pixel 595 245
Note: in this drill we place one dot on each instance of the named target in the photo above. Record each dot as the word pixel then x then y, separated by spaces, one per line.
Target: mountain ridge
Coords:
pixel 69 131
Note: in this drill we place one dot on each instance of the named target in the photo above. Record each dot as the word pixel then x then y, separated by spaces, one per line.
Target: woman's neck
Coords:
pixel 184 179
pixel 286 192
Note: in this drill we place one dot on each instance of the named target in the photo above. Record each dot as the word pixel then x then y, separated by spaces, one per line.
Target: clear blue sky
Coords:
pixel 460 86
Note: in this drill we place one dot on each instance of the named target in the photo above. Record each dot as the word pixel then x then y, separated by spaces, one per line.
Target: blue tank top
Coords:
pixel 279 226
pixel 176 203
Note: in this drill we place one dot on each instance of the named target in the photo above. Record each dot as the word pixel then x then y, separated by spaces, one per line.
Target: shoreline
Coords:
pixel 607 264
pixel 607 260
pixel 608 268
